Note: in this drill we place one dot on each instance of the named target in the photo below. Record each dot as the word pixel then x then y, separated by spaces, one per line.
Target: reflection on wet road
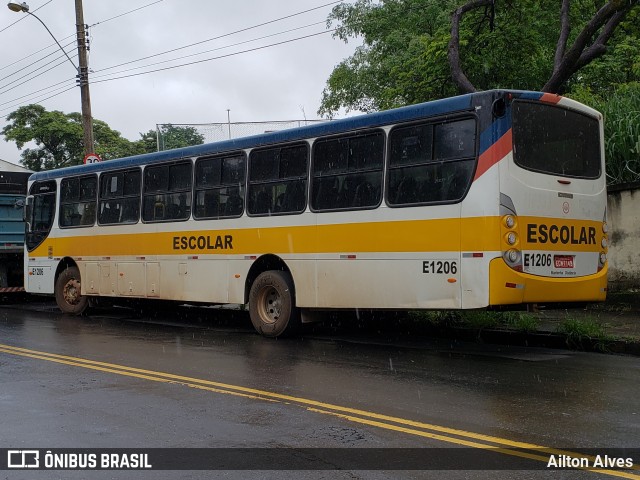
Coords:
pixel 112 380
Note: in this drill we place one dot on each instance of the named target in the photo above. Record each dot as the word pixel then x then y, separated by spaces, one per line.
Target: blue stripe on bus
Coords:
pixel 530 95
pixel 495 131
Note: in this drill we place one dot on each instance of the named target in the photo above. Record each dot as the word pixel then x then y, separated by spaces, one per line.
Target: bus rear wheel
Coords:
pixel 68 296
pixel 272 304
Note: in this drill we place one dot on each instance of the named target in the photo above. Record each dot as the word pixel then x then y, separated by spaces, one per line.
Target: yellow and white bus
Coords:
pixel 486 199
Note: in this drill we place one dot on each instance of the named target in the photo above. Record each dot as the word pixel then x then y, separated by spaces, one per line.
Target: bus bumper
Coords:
pixel 508 287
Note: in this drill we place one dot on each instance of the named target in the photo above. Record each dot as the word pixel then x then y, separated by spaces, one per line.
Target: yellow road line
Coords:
pixel 351 414
pixel 466 443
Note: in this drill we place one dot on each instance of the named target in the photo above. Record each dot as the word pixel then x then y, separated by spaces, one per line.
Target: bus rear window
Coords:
pixel 556 141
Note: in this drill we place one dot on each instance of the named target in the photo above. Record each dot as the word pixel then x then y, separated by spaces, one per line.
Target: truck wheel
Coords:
pixel 272 304
pixel 68 296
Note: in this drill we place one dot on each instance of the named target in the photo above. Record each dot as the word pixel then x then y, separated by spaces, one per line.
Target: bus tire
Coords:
pixel 272 304
pixel 68 296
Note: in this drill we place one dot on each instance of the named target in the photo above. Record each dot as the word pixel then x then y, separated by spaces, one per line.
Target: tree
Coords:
pixel 58 138
pixel 417 50
pixel 569 57
pixel 170 136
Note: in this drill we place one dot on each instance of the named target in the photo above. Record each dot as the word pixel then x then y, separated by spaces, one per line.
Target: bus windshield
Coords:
pixel 556 141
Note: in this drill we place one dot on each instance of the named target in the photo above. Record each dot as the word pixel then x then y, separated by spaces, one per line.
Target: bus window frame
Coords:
pixel 242 185
pixel 351 134
pixel 186 161
pixel 100 198
pixel 305 178
pixel 95 201
pixel 433 122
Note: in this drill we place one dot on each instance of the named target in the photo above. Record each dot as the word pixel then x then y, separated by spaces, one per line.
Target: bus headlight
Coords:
pixel 512 238
pixel 603 258
pixel 604 242
pixel 605 227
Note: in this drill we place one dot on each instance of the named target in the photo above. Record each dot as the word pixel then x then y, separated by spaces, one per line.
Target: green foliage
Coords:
pixel 170 136
pixel 404 54
pixel 403 59
pixel 582 333
pixel 435 318
pixel 477 319
pixel 59 138
pixel 621 110
pixel 520 321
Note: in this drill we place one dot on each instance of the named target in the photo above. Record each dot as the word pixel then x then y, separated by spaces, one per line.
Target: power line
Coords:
pixel 125 13
pixel 33 77
pixel 73 34
pixel 38 100
pixel 183 65
pixel 168 51
pixel 207 51
pixel 29 73
pixel 36 92
pixel 73 42
pixel 183 47
pixel 215 58
pixel 220 36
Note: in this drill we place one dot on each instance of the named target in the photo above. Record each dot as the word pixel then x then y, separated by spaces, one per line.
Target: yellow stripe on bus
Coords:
pixel 439 235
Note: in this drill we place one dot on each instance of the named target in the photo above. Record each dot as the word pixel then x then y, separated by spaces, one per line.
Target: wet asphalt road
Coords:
pixel 200 378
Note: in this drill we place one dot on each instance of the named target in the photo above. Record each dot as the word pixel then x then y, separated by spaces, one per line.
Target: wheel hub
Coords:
pixel 271 305
pixel 71 292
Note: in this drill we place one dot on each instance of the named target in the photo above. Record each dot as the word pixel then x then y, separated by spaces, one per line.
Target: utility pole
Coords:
pixel 83 79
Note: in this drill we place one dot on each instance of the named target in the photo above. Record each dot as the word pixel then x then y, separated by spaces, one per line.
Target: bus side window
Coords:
pixel 234 204
pixel 294 197
pixel 326 192
pixel 78 201
pixel 278 180
pixel 167 192
pixel 210 204
pixel 407 191
pixel 219 188
pixel 263 202
pixel 430 162
pixel 119 197
pixel 347 172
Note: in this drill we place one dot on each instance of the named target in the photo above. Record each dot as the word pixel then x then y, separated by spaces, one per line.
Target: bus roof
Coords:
pixel 372 120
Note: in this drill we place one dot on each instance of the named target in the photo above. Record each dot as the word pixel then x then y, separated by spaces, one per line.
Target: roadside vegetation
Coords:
pixel 585 333
pixel 478 319
pixel 580 331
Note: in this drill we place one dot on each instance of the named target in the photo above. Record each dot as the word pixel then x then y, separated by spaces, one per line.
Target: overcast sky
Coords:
pixel 272 83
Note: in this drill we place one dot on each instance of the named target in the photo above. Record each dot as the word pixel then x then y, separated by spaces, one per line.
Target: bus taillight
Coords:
pixel 511 254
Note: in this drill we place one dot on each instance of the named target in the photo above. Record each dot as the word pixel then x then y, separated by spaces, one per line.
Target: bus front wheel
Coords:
pixel 272 304
pixel 68 296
